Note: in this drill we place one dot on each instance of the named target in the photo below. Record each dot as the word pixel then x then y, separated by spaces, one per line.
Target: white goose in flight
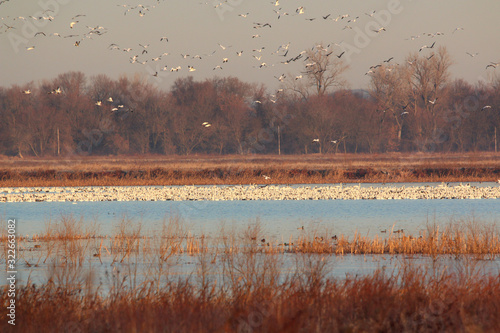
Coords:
pixel 493 64
pixel 426 46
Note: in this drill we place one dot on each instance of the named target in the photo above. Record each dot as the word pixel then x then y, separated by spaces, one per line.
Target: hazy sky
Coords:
pixel 196 27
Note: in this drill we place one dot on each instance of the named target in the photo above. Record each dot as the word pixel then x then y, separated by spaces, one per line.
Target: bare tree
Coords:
pixel 429 77
pixel 194 104
pixel 323 70
pixel 391 88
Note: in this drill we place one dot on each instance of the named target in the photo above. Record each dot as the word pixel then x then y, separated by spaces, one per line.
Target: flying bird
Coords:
pixel 281 78
pixel 426 46
pixel 144 48
pixel 413 37
pixel 56 91
pixel 223 47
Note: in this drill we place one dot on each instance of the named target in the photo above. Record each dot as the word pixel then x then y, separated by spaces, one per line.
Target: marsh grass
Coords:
pixel 414 299
pixel 67 236
pixel 217 170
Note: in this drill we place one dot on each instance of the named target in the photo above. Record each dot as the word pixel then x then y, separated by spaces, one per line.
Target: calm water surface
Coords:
pixel 278 218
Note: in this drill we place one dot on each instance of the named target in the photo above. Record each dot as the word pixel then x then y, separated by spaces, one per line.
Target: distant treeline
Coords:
pixel 410 107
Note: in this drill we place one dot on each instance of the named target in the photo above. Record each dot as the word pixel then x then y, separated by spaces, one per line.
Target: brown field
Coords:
pixel 413 301
pixel 245 285
pixel 249 169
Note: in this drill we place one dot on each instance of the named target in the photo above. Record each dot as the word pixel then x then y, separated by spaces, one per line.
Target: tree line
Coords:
pixel 414 106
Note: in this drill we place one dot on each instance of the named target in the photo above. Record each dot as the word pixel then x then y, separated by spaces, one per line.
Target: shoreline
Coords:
pixel 247 192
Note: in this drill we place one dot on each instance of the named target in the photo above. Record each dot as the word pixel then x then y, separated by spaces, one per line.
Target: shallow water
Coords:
pixel 132 272
pixel 279 219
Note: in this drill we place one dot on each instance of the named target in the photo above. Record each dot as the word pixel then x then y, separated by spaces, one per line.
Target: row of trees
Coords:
pixel 413 106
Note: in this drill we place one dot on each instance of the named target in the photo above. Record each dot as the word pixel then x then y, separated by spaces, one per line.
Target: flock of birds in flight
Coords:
pixel 141 52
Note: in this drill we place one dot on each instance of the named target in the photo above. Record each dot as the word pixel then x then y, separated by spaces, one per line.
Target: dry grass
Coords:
pixel 464 237
pixel 182 170
pixel 254 297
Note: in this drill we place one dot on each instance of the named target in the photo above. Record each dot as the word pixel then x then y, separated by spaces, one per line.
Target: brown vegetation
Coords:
pixel 236 169
pixel 457 238
pixel 413 301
